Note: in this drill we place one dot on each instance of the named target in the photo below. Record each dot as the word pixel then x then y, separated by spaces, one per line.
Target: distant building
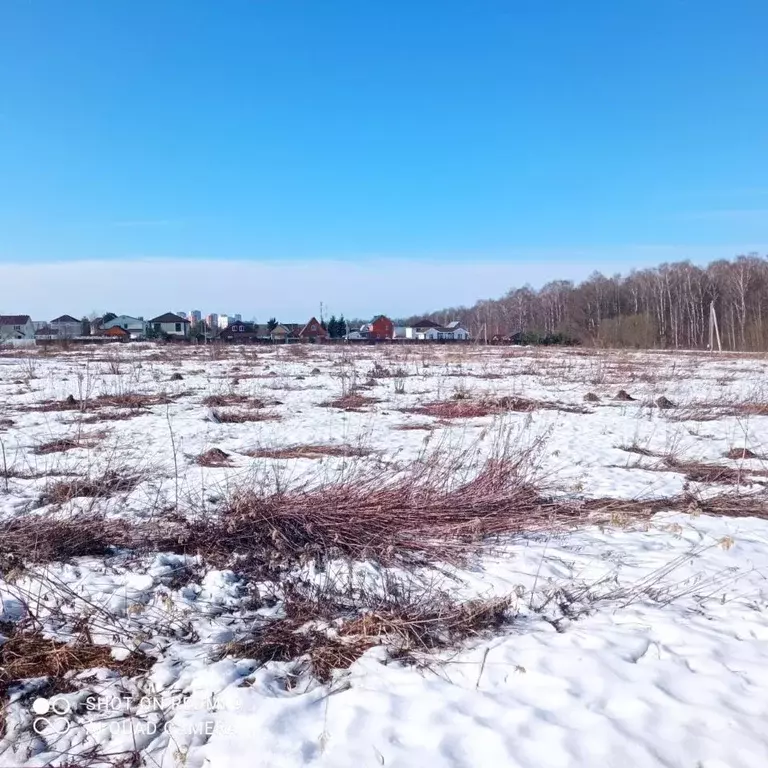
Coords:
pixel 224 321
pixel 312 331
pixel 212 320
pixel 135 327
pixel 380 328
pixel 195 317
pixel 172 325
pixel 67 327
pixel 16 327
pixel 429 330
pixel 237 318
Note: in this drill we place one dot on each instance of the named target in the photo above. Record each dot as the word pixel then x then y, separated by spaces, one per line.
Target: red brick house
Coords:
pixel 313 331
pixel 381 328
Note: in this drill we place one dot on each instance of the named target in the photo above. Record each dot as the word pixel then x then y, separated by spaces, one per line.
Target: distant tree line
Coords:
pixel 665 306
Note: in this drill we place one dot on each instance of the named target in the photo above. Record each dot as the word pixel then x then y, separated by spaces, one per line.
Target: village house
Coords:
pixel 66 327
pixel 428 330
pixel 312 331
pixel 45 333
pixel 242 333
pixel 281 332
pixel 16 327
pixel 135 327
pixel 170 325
pixel 379 329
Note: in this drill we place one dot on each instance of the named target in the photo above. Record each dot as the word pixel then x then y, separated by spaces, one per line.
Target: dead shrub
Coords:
pixel 591 397
pixel 408 517
pixel 624 396
pixel 664 403
pixel 309 452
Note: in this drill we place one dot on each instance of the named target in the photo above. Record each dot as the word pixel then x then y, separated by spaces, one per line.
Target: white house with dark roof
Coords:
pixel 15 327
pixel 170 325
pixel 429 330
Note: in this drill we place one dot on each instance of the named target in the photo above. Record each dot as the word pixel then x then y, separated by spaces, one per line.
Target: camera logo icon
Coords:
pixel 42 725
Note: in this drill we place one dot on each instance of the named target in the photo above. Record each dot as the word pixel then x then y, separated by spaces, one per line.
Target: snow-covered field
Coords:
pixel 635 636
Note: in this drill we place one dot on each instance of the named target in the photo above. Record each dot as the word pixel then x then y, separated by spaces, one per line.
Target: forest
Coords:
pixel 668 306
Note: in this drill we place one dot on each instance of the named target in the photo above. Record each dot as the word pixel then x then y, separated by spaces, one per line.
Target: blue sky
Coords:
pixel 543 138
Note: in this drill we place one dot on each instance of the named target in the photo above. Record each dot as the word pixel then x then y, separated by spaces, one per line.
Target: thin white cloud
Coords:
pixel 293 290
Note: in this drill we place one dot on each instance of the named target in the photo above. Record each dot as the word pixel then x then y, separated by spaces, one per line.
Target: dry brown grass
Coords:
pixel 467 409
pixel 101 416
pixel 638 449
pixel 240 417
pixel 405 622
pixel 110 483
pixel 700 472
pixel 309 452
pixel 214 457
pixel 27 653
pixel 67 444
pixel 352 401
pixel 738 454
pixel 44 539
pixel 126 400
pixel 223 400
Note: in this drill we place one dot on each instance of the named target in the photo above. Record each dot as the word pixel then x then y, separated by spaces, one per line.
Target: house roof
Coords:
pixel 247 327
pixel 14 319
pixel 169 317
pixel 46 330
pixel 380 317
pixel 65 319
pixel 306 329
pixel 426 324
